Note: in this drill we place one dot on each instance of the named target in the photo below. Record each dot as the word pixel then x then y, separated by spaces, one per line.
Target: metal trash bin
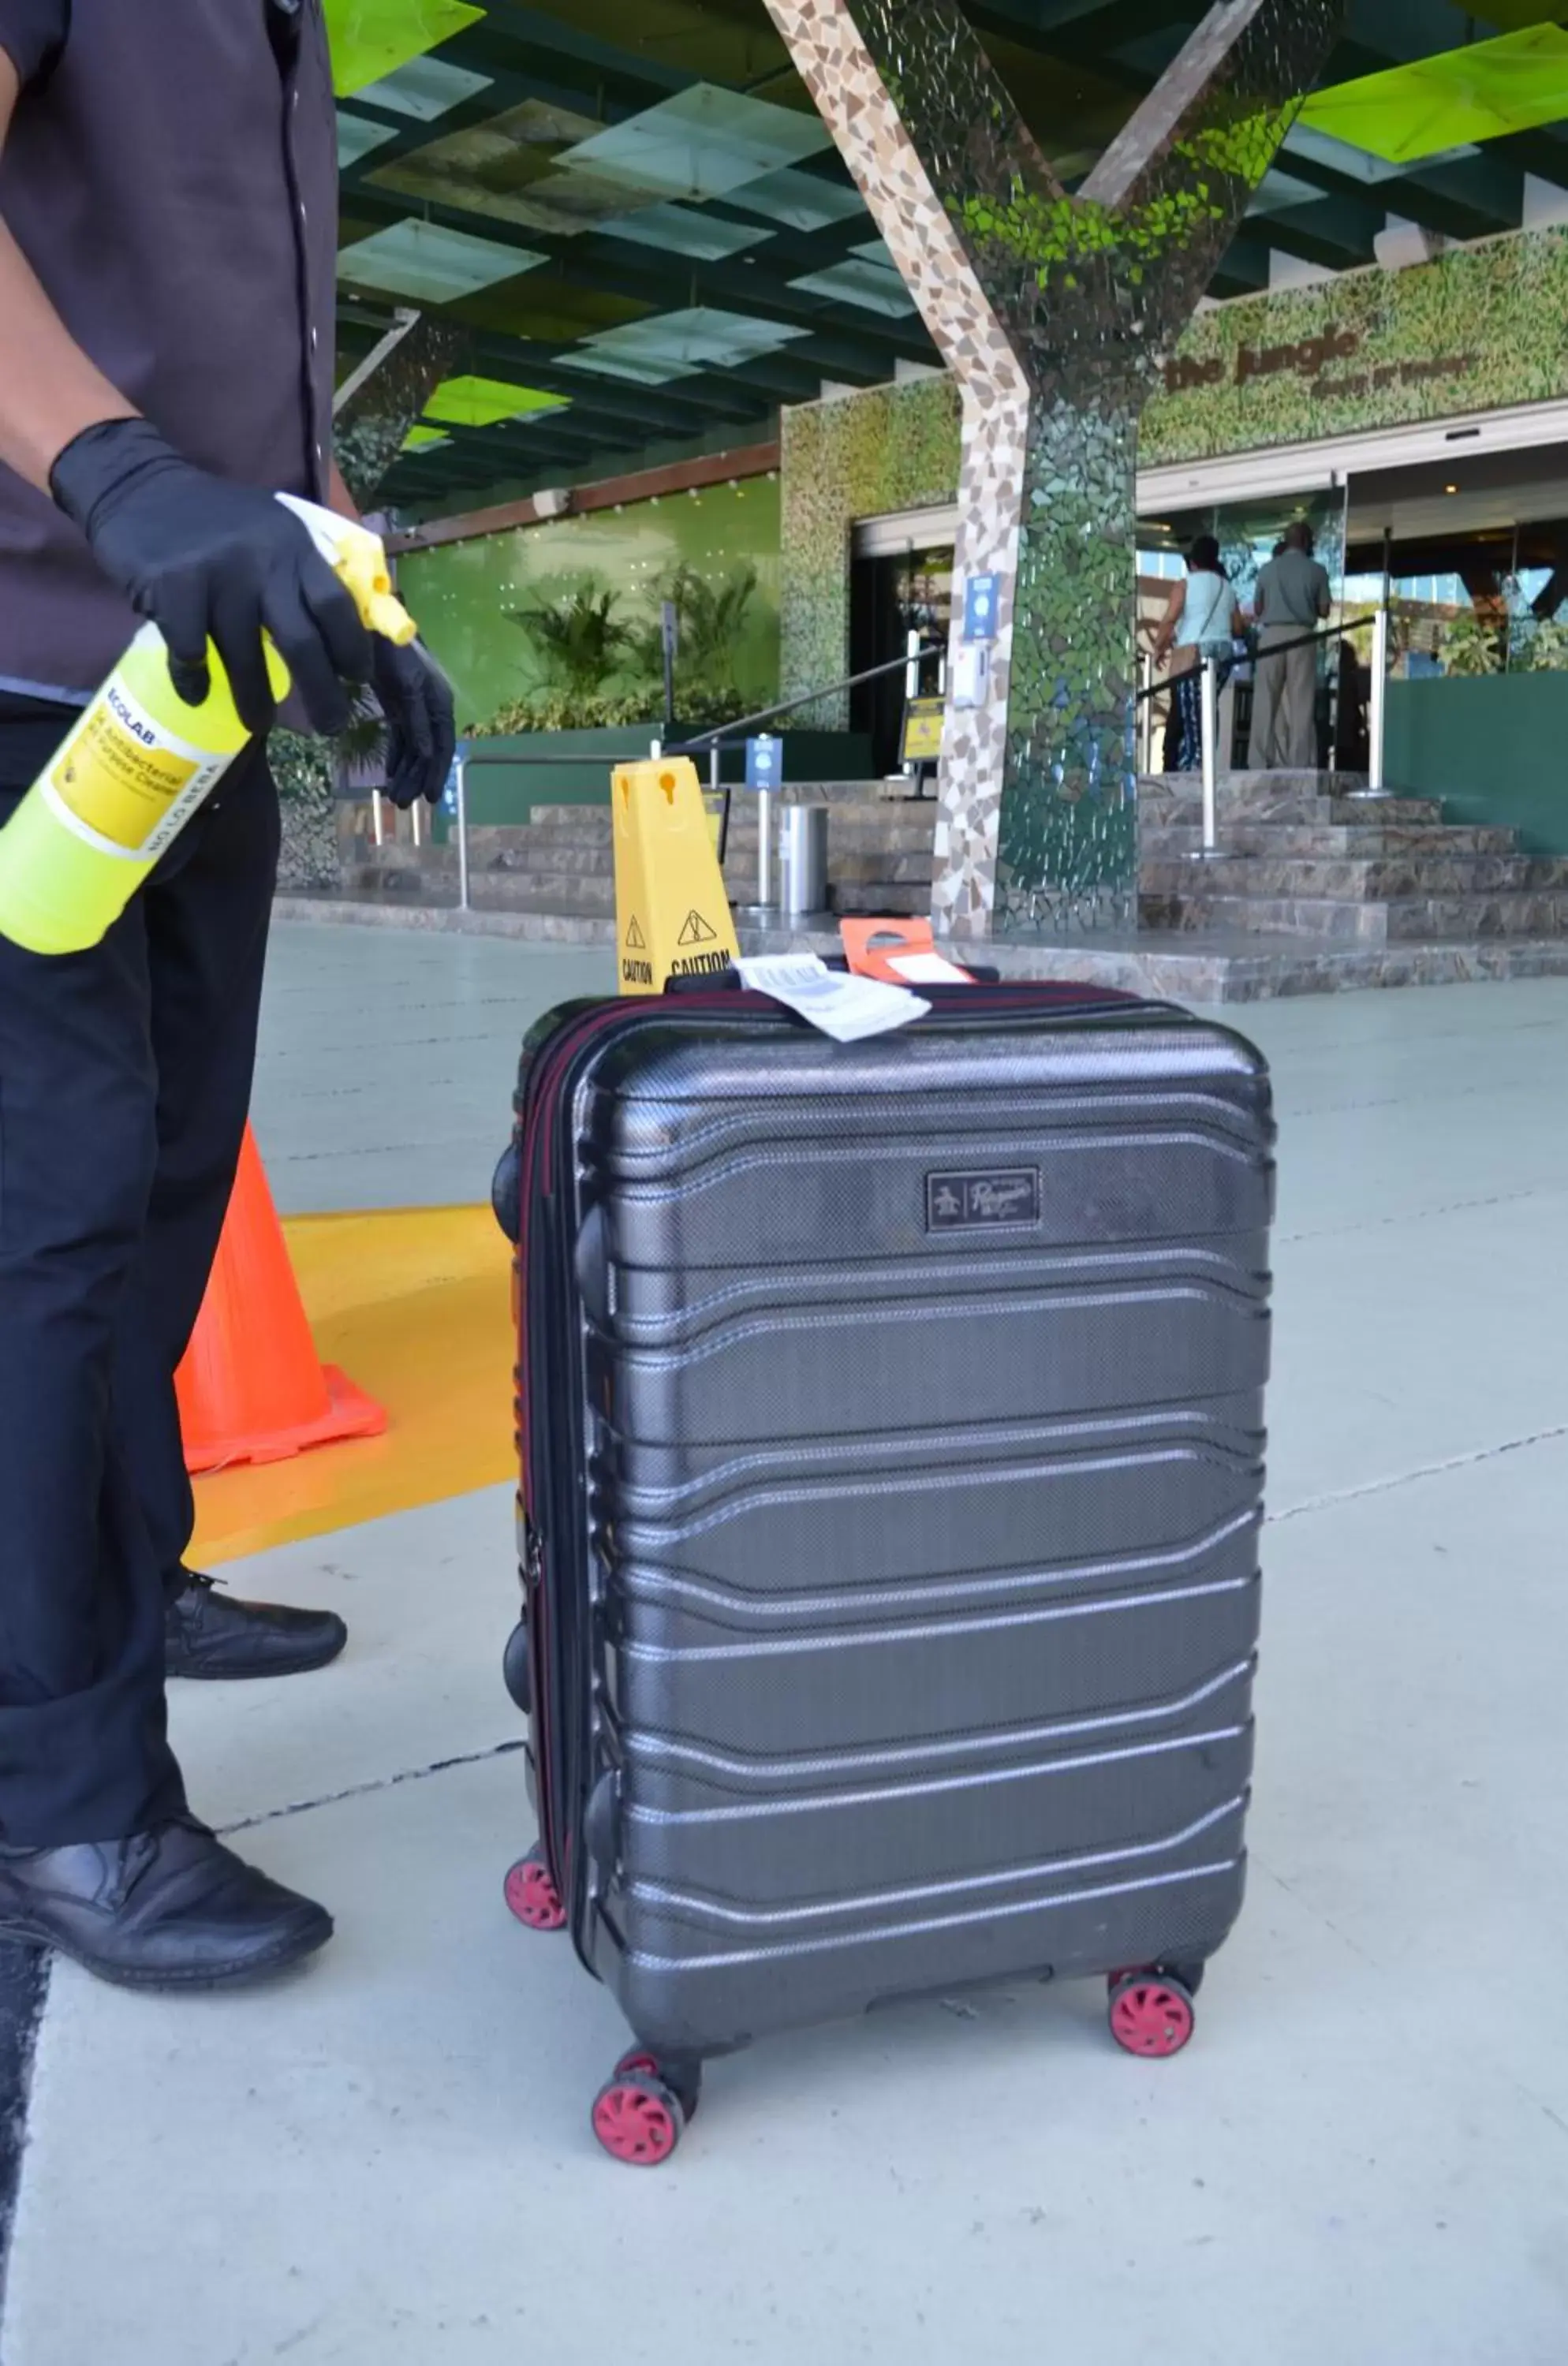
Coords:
pixel 803 860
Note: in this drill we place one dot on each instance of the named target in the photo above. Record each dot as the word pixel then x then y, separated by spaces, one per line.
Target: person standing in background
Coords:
pixel 1294 597
pixel 1200 621
pixel 168 250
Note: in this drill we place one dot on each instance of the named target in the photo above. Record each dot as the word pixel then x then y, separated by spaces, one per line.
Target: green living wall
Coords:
pixel 463 594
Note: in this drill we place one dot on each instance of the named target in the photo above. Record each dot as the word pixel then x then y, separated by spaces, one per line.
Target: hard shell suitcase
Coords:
pixel 891 1420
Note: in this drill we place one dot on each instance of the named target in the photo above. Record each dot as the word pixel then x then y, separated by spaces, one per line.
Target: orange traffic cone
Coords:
pixel 251 1389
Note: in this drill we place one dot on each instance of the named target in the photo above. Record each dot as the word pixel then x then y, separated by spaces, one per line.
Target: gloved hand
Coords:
pixel 206 559
pixel 422 722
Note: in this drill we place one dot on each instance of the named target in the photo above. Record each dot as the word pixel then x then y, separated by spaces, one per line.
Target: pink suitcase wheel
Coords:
pixel 638 2120
pixel 1151 2014
pixel 533 1895
pixel 685 2079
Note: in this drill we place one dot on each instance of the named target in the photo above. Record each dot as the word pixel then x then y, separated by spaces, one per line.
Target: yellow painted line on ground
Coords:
pixel 415 1306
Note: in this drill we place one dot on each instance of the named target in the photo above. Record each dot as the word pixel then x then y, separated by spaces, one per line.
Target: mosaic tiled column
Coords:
pixel 1053 313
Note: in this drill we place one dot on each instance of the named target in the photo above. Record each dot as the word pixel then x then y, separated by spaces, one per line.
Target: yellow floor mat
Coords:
pixel 415 1306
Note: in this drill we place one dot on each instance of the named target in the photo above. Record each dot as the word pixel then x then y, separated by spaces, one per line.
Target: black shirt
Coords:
pixel 33 32
pixel 176 195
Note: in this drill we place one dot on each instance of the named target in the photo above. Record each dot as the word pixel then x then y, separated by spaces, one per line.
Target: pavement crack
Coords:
pixel 376 1783
pixel 1317 1912
pixel 1402 1218
pixel 1482 1453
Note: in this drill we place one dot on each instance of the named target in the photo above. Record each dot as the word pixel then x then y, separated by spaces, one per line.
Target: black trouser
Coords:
pixel 125 1079
pixel 1189 715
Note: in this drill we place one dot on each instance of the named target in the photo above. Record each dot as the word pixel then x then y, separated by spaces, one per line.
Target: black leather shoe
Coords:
pixel 207 1633
pixel 168 1908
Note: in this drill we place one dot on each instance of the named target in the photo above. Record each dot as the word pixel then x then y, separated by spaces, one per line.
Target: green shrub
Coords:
pixel 561 710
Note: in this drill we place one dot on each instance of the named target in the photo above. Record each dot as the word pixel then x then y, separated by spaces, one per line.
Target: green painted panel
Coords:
pixel 1482 92
pixel 1492 748
pixel 463 594
pixel 507 777
pixel 371 39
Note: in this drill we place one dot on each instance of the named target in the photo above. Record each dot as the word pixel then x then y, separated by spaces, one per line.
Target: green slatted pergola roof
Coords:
pixel 636 215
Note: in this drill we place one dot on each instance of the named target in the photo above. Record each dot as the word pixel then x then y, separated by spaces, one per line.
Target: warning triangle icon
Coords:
pixel 696 931
pixel 636 942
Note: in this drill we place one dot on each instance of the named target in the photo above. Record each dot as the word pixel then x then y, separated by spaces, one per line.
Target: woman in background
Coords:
pixel 1202 621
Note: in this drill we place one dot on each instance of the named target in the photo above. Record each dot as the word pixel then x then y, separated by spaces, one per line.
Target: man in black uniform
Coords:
pixel 167 277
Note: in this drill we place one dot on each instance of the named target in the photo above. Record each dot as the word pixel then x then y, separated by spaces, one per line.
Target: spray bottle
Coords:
pixel 115 797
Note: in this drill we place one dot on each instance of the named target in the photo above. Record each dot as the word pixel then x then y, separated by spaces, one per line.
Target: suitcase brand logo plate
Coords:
pixel 962 1203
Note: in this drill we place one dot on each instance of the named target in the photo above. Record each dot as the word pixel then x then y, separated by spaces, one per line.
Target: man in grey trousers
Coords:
pixel 1293 599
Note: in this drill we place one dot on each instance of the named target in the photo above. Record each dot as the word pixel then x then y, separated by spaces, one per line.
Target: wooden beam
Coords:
pixel 642 485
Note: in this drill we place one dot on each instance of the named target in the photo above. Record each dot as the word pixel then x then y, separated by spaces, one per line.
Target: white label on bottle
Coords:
pixel 124 783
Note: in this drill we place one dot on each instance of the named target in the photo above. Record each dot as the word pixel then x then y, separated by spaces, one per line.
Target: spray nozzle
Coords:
pixel 358 560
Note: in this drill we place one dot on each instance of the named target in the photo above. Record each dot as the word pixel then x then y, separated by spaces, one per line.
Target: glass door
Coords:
pixel 890 598
pixel 1249 534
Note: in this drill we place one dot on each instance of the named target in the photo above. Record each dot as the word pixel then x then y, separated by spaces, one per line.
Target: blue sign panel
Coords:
pixel 764 763
pixel 980 605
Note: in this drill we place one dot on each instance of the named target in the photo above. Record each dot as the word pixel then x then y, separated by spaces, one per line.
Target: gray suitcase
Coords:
pixel 892 1428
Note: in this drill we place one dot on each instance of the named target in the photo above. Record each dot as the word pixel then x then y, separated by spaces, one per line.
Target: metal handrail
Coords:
pixel 747 723
pixel 733 734
pixel 1281 649
pixel 713 742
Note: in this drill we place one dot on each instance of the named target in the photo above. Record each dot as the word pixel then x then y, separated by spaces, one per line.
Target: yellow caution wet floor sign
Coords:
pixel 673 917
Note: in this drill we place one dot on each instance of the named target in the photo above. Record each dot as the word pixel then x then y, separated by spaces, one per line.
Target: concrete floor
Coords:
pixel 1364 2155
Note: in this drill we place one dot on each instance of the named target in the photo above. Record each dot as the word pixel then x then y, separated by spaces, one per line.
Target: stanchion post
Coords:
pixel 765 850
pixel 1209 695
pixel 377 825
pixel 463 834
pixel 1377 773
pixel 1146 710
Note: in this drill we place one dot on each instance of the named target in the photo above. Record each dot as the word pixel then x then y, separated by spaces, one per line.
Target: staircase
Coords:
pixel 1319 886
pixel 558 868
pixel 1305 857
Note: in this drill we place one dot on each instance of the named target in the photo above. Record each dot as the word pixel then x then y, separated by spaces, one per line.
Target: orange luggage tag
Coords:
pixel 899 952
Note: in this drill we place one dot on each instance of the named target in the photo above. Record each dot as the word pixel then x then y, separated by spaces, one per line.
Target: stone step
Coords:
pixel 1383 880
pixel 430 862
pixel 889 869
pixel 1348 810
pixel 854 798
pixel 1419 921
pixel 910 902
pixel 1408 920
pixel 861 827
pixel 1156 813
pixel 543 891
pixel 398 882
pixel 1329 841
pixel 559 856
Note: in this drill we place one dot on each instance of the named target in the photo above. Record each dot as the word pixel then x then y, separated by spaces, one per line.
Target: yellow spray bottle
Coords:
pixel 141 761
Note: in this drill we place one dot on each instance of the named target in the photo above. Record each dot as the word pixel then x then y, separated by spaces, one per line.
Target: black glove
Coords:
pixel 206 559
pixel 422 722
